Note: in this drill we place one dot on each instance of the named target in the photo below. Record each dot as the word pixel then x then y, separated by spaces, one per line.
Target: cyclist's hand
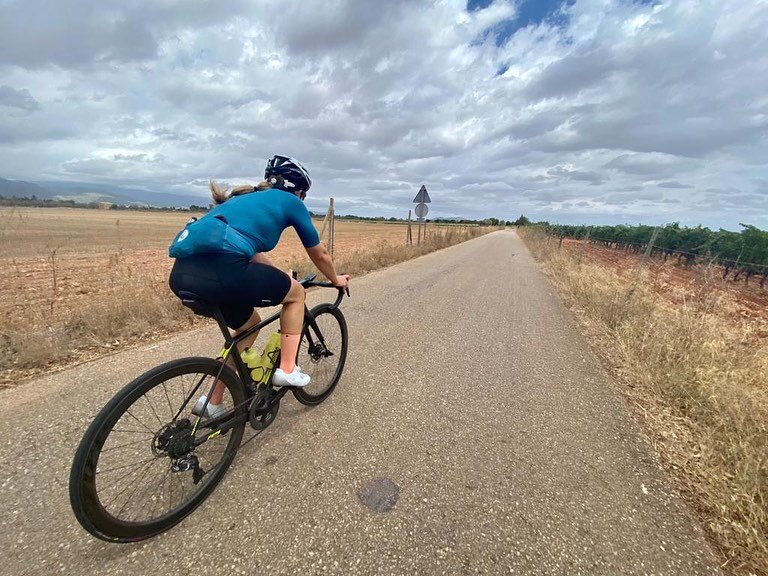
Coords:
pixel 342 280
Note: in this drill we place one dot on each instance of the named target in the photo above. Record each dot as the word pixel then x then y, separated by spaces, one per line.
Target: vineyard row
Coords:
pixel 741 254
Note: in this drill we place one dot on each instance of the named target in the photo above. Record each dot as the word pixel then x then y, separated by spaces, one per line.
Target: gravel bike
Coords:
pixel 146 461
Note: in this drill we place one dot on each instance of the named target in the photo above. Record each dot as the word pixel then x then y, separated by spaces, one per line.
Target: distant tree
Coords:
pixel 522 221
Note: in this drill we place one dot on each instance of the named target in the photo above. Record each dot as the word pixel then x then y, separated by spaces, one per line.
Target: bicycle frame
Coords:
pixel 230 342
pixel 225 422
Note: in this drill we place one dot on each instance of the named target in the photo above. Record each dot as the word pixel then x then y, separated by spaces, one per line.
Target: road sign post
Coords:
pixel 422 199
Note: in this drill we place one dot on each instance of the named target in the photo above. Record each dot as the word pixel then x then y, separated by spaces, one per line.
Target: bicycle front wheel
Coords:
pixel 322 353
pixel 142 465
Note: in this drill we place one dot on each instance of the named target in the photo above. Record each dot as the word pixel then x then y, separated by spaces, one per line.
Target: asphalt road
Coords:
pixel 468 386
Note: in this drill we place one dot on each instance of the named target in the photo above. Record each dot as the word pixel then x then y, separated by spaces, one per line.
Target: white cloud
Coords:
pixel 620 110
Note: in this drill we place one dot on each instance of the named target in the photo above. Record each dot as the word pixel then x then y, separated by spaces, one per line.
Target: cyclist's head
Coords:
pixel 288 174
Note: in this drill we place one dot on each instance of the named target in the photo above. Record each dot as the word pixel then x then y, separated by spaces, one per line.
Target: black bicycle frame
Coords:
pixel 226 422
pixel 230 342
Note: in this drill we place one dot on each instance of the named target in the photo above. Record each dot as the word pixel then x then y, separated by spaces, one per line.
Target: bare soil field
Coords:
pixel 677 282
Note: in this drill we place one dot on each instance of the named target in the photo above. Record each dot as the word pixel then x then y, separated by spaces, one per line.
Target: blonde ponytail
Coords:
pixel 221 194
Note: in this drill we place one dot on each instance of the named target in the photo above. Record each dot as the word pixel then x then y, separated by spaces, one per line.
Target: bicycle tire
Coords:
pixel 306 395
pixel 84 498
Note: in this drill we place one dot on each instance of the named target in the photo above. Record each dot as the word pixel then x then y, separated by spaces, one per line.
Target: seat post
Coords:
pixel 222 324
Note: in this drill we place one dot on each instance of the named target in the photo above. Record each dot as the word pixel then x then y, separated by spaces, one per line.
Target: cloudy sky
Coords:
pixel 578 111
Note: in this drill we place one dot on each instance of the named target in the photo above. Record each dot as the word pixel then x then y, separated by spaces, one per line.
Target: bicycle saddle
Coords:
pixel 196 303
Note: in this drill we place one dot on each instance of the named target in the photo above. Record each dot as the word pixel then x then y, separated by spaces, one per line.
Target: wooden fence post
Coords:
pixel 331 228
pixel 584 242
pixel 408 235
pixel 325 222
pixel 651 242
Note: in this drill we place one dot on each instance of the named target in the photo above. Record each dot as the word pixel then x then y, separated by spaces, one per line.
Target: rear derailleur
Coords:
pixel 176 441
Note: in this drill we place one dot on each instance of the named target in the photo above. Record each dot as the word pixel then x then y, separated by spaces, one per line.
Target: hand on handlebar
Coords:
pixel 342 281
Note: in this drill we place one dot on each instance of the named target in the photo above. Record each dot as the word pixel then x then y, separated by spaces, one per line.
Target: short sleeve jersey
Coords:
pixel 262 216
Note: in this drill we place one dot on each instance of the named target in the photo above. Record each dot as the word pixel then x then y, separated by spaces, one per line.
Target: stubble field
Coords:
pixel 57 259
pixel 78 283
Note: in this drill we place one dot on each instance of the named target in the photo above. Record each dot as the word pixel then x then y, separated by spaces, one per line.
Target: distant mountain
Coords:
pixel 90 192
pixel 19 188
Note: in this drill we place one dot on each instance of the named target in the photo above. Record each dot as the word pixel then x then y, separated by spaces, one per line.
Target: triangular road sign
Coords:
pixel 422 195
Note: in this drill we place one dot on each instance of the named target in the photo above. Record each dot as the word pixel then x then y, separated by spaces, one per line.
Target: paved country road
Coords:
pixel 467 385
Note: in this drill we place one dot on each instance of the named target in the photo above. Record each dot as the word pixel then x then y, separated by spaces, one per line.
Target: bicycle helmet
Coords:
pixel 287 174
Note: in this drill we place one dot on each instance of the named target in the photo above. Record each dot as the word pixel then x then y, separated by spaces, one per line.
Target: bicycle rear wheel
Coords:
pixel 137 471
pixel 322 354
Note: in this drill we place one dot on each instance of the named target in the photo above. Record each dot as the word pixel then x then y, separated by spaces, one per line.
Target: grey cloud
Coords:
pixel 21 99
pixel 379 97
pixel 36 33
pixel 575 72
pixel 673 184
pixel 648 164
pixel 593 178
pixel 337 26
pixel 86 33
pixel 632 196
pixel 744 200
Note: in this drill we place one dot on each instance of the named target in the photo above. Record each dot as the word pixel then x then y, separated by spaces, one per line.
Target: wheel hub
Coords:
pixel 319 351
pixel 174 439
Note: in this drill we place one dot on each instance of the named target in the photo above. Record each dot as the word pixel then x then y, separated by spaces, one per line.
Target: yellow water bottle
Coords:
pixel 252 360
pixel 269 356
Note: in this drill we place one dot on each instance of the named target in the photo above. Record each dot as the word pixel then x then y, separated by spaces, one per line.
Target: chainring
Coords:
pixel 263 409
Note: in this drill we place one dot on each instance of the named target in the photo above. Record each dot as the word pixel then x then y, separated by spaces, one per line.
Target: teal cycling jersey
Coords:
pixel 262 216
pixel 245 225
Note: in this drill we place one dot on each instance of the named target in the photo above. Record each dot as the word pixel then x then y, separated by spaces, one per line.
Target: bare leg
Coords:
pixel 291 324
pixel 218 392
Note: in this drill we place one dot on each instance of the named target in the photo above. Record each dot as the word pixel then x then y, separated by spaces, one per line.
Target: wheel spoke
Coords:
pixel 131 431
pixel 140 422
pixel 170 408
pixel 131 489
pixel 129 485
pixel 125 466
pixel 323 370
pixel 135 489
pixel 151 407
pixel 122 446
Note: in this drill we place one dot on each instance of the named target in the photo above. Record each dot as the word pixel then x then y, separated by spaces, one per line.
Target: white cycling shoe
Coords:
pixel 297 378
pixel 211 411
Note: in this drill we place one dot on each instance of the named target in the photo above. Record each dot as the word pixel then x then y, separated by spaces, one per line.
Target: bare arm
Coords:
pixel 322 259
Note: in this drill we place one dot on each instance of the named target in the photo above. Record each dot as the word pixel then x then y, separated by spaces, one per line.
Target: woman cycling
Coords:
pixel 221 259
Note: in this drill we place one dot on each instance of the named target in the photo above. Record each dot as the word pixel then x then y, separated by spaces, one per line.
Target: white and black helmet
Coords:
pixel 287 174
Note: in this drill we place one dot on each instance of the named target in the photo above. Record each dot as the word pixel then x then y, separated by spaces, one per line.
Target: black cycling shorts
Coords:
pixel 231 281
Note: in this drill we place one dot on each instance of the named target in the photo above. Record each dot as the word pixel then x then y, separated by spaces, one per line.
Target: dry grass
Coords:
pixel 82 283
pixel 383 254
pixel 697 373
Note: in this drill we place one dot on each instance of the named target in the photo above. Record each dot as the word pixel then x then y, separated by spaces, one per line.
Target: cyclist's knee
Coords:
pixel 296 293
pixel 250 323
